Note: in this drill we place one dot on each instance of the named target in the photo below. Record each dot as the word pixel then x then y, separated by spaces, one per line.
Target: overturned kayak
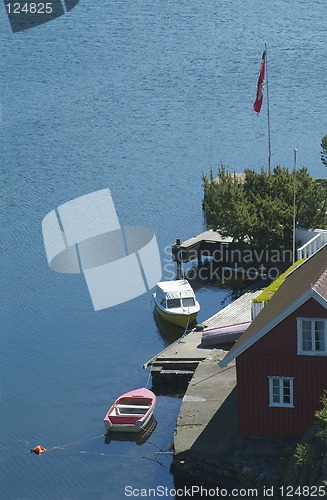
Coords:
pixel 223 334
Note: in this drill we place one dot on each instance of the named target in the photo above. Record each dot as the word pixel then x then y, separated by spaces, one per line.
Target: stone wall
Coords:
pixel 259 464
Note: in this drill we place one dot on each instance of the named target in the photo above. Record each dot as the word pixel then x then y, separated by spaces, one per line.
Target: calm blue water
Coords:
pixel 141 97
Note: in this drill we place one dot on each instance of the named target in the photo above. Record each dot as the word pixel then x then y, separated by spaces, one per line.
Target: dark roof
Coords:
pixel 309 277
pixel 321 285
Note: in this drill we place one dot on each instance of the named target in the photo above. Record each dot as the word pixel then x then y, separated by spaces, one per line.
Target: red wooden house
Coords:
pixel 281 359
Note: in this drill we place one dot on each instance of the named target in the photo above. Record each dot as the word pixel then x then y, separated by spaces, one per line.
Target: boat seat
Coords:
pixel 137 407
pixel 138 415
pixel 125 410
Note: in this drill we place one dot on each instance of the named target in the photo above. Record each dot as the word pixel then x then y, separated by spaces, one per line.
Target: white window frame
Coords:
pixel 281 403
pixel 313 351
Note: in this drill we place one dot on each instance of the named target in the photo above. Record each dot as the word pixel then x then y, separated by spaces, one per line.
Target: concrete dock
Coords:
pixel 207 448
pixel 211 389
pixel 206 442
pixel 175 365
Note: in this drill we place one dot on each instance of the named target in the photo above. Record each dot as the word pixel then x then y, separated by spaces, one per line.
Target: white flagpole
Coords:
pixel 294 205
pixel 268 115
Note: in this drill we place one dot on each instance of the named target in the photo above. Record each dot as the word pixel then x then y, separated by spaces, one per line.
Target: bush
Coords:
pixel 321 417
pixel 302 455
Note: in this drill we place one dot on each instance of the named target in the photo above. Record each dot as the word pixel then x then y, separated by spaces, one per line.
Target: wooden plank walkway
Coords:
pixel 208 237
pixel 239 311
pixel 191 249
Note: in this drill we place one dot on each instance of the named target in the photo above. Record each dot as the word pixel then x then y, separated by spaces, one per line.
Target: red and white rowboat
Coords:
pixel 131 412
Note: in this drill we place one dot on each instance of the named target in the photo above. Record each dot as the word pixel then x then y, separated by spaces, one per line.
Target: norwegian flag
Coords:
pixel 261 82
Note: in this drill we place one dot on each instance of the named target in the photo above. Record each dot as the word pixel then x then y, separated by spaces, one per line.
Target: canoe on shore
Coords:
pixel 223 334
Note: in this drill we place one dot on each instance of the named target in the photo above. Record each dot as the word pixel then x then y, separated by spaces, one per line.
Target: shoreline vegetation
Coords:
pixel 256 210
pixel 260 211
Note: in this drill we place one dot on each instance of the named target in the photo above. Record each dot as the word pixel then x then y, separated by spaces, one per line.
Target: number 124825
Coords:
pixel 29 8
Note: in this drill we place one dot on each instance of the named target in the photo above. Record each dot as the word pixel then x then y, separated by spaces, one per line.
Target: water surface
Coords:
pixel 141 97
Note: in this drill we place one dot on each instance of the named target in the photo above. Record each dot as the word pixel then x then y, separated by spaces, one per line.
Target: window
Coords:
pixel 312 336
pixel 281 391
pixel 173 303
pixel 188 302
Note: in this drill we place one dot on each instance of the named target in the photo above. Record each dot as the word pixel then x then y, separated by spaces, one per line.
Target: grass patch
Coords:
pixel 268 292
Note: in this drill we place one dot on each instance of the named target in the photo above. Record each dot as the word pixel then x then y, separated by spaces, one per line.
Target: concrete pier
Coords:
pixel 210 390
pixel 174 367
pixel 206 442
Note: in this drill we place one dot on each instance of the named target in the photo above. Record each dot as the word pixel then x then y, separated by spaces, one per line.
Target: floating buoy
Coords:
pixel 38 450
pixel 171 447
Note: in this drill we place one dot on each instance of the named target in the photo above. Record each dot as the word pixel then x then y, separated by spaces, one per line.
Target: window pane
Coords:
pixel 172 303
pixel 275 391
pixel 319 336
pixel 307 345
pixel 188 302
pixel 306 336
pixel 286 391
pixel 306 325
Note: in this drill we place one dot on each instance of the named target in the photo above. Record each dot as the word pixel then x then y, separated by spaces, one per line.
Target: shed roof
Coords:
pixel 307 280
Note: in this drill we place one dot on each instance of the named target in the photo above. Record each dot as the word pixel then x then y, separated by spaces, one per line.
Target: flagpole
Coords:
pixel 268 115
pixel 294 205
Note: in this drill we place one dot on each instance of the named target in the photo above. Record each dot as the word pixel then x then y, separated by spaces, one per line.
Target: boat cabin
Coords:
pixel 175 294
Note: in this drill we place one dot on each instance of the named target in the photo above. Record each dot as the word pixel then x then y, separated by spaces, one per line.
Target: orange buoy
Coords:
pixel 38 450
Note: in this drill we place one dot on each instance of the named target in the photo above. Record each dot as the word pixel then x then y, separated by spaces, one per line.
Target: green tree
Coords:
pixel 257 208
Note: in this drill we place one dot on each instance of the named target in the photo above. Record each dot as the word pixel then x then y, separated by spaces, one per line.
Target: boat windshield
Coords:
pixel 173 303
pixel 188 302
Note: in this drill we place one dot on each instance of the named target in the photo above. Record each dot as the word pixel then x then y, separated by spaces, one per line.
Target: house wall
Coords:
pixel 275 354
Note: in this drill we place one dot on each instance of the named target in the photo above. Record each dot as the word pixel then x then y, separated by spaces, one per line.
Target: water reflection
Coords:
pixel 139 438
pixel 213 276
pixel 168 331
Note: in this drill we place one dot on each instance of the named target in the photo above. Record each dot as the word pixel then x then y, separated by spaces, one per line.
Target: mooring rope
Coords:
pixel 184 333
pixel 63 446
pixel 149 376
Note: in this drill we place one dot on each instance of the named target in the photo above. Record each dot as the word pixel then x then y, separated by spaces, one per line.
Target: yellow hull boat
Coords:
pixel 175 301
